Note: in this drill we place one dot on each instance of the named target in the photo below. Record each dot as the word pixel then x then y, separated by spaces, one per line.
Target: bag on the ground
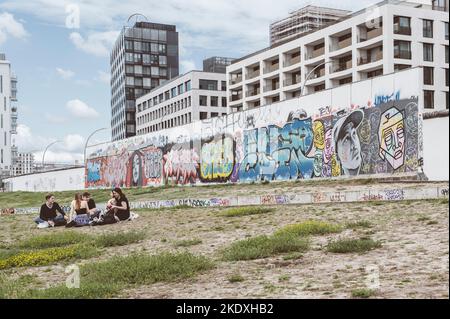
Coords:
pixel 43 225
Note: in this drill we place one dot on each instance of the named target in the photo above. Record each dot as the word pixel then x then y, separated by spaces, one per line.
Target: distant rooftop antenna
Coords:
pixel 136 17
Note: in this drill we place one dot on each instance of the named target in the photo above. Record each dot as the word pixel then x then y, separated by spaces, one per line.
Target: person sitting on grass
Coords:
pixel 92 207
pixel 48 213
pixel 79 212
pixel 107 217
pixel 121 208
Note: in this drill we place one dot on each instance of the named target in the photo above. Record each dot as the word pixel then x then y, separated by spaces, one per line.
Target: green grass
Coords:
pixel 235 278
pixel 108 278
pixel 59 239
pixel 12 288
pixel 363 293
pixel 311 227
pixel 245 211
pixel 359 224
pixel 343 246
pixel 264 246
pixel 188 242
pixel 119 239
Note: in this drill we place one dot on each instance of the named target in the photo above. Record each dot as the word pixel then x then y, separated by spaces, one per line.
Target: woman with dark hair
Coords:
pixel 121 207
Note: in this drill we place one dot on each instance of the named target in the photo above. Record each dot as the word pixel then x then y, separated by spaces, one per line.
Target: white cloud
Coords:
pixel 65 74
pixel 187 65
pixel 234 27
pixel 80 109
pixel 10 27
pixel 54 119
pixel 103 77
pixel 97 43
pixel 68 150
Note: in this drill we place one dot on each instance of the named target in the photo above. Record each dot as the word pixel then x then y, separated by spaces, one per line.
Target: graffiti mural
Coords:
pixel 276 142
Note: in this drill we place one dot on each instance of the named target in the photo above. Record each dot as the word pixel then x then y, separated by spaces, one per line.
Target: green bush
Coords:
pixel 264 246
pixel 344 246
pixel 311 227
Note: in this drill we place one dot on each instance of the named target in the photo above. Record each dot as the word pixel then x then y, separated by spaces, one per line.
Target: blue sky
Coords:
pixel 63 67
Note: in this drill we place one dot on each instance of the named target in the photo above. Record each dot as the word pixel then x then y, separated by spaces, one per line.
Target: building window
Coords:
pixel 402 25
pixel 203 116
pixel 188 86
pixel 214 114
pixel 446 100
pixel 446 77
pixel 446 30
pixel 427 28
pixel 180 89
pixel 224 85
pixel 446 54
pixel 428 97
pixel 214 101
pixel 224 102
pixel 428 52
pixel 173 91
pixel 402 49
pixel 208 85
pixel 203 100
pixel 428 78
pixel 162 60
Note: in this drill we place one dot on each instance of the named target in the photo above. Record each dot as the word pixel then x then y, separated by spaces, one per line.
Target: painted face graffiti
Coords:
pixel 318 163
pixel 329 149
pixel 392 137
pixel 347 144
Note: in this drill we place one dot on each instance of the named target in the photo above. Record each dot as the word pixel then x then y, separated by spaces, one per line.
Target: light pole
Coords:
pixel 45 151
pixel 311 72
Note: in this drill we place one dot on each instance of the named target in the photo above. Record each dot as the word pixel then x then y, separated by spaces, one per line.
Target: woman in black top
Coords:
pixel 48 212
pixel 122 207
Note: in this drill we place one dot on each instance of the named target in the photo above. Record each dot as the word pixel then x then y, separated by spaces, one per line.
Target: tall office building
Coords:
pixel 302 21
pixel 143 57
pixel 24 164
pixel 8 116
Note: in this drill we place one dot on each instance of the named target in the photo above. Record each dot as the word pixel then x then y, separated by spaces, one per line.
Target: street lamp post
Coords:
pixel 311 72
pixel 45 151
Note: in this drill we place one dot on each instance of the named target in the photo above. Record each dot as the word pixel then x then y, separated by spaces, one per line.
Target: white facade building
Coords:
pixel 8 116
pixel 193 96
pixel 304 20
pixel 382 39
pixel 24 164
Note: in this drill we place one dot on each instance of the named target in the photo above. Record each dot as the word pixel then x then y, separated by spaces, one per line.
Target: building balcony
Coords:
pixel 236 97
pixel 344 43
pixel 291 61
pixel 291 81
pixel 370 59
pixel 252 74
pixel 271 87
pixel 236 80
pixel 402 30
pixel 318 73
pixel 371 34
pixel 316 53
pixel 253 92
pixel 271 68
pixel 402 55
pixel 341 66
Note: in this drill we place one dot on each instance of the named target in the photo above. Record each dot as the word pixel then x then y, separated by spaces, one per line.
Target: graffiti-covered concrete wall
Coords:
pixel 364 128
pixel 60 180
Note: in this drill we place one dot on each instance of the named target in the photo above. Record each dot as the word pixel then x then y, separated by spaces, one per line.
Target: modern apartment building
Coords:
pixel 190 97
pixel 24 164
pixel 143 57
pixel 8 116
pixel 304 20
pixel 390 36
pixel 217 64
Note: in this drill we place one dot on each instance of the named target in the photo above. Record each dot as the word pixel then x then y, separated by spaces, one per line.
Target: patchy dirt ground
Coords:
pixel 413 261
